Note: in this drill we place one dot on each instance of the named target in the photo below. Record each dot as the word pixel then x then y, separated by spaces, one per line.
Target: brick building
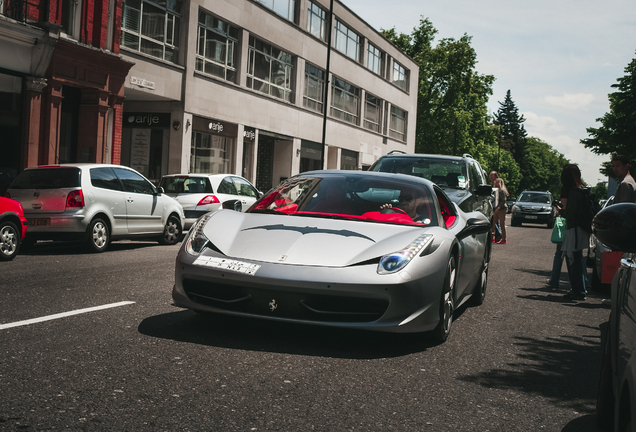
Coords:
pixel 61 83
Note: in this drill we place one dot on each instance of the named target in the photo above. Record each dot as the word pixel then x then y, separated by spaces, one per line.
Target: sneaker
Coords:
pixel 575 296
pixel 607 302
pixel 549 284
pixel 502 242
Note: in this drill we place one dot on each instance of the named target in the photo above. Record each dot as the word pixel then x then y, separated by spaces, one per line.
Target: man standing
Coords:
pixel 626 190
pixel 493 176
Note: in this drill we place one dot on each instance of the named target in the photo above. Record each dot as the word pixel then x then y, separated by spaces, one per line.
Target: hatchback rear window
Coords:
pixel 48 178
pixel 184 184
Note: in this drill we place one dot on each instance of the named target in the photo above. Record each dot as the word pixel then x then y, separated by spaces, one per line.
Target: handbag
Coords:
pixel 558 231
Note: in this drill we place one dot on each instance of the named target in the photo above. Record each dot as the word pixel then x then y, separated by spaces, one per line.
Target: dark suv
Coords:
pixel 533 207
pixel 462 178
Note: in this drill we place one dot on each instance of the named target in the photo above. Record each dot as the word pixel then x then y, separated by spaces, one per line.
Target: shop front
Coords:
pixel 145 141
pixel 213 146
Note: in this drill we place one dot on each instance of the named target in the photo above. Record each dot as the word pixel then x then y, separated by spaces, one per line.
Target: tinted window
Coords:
pixel 535 197
pixel 105 178
pixel 48 178
pixel 185 184
pixel 244 188
pixel 134 182
pixel 227 187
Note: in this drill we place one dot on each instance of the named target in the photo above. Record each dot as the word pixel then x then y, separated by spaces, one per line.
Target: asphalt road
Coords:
pixel 526 360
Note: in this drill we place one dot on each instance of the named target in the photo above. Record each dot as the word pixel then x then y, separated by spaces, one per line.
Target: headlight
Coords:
pixel 396 261
pixel 196 239
pixel 546 208
pixel 515 208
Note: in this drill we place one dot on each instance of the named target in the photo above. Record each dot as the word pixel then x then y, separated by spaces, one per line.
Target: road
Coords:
pixel 526 360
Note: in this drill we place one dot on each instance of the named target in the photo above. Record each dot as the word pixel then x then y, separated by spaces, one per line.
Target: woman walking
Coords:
pixel 500 211
pixel 577 236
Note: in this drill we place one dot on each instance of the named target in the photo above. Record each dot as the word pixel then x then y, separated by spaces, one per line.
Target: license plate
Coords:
pixel 227 264
pixel 39 222
pixel 530 217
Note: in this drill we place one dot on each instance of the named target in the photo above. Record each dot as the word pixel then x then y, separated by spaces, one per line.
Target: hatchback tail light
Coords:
pixel 209 199
pixel 75 199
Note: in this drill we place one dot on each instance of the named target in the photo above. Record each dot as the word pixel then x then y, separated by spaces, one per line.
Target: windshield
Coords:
pixel 443 172
pixel 185 184
pixel 354 197
pixel 48 178
pixel 535 197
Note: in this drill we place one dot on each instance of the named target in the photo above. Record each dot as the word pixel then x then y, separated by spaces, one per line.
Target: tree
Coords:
pixel 452 117
pixel 617 135
pixel 546 165
pixel 599 192
pixel 513 133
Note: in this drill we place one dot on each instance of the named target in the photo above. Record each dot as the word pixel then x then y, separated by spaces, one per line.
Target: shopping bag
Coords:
pixel 558 231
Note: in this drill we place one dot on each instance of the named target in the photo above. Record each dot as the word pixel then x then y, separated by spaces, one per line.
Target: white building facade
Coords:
pixel 238 86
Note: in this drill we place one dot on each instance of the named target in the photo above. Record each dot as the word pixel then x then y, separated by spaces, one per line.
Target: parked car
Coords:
pixel 509 203
pixel 533 207
pixel 95 203
pixel 13 226
pixel 595 256
pixel 461 177
pixel 202 193
pixel 615 226
pixel 323 249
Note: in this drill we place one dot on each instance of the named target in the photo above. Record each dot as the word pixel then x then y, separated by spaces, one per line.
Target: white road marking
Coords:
pixel 63 315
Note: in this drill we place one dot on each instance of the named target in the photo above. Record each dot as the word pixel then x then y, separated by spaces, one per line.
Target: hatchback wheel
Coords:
pixel 98 236
pixel 171 232
pixel 9 241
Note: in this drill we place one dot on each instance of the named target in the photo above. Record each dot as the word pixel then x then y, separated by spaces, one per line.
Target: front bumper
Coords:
pixel 532 217
pixel 351 297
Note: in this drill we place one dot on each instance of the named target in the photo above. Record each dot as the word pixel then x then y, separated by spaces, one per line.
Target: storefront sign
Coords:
pixel 214 127
pixel 150 120
pixel 249 134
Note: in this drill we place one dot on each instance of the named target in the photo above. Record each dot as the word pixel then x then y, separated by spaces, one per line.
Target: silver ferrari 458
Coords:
pixel 364 250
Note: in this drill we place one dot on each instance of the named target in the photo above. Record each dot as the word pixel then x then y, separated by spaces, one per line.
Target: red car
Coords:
pixel 13 226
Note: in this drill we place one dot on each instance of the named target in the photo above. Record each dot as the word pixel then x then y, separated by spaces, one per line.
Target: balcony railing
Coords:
pixel 14 9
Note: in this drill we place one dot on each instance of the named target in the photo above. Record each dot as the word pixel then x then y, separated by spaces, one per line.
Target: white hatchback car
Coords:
pixel 94 203
pixel 199 194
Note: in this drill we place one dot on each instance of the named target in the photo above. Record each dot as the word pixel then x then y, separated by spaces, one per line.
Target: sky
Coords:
pixel 558 58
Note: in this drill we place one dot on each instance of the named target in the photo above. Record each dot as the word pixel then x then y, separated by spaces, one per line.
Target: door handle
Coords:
pixel 130 200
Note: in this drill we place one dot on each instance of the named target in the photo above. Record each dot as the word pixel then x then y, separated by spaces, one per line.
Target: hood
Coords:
pixel 304 240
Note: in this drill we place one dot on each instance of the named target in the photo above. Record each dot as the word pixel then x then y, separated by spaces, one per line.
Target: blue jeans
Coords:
pixel 575 272
pixel 557 262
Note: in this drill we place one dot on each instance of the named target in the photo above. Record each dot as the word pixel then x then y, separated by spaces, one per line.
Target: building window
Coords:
pixel 400 76
pixel 345 101
pixel 316 21
pixel 346 41
pixel 211 154
pixel 270 70
pixel 397 125
pixel 216 47
pixel 375 59
pixel 284 8
pixel 314 88
pixel 152 28
pixel 372 112
pixel 348 160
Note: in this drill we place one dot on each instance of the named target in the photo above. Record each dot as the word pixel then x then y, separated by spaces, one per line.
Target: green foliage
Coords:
pixel 513 133
pixel 544 165
pixel 452 117
pixel 617 135
pixel 599 192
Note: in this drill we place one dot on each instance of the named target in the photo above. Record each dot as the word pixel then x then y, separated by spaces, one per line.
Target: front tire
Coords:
pixel 447 303
pixel 515 222
pixel 171 232
pixel 98 236
pixel 9 240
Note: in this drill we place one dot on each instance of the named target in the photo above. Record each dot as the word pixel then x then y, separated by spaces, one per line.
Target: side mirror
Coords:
pixel 484 190
pixel 160 190
pixel 615 226
pixel 474 226
pixel 233 205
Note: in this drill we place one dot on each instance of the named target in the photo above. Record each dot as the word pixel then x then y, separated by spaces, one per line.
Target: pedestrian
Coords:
pixel 577 234
pixel 497 231
pixel 501 210
pixel 626 191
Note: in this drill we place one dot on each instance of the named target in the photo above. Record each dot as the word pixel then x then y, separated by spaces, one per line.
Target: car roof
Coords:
pixel 428 156
pixel 404 177
pixel 78 165
pixel 200 175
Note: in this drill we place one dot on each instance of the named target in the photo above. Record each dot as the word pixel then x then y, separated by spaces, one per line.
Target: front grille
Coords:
pixel 284 304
